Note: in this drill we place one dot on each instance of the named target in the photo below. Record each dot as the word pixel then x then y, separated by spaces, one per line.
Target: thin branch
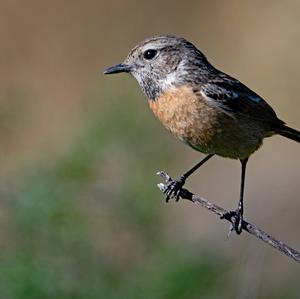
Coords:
pixel 248 227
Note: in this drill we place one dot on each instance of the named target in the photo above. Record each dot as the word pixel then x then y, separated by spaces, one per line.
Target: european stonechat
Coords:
pixel 205 108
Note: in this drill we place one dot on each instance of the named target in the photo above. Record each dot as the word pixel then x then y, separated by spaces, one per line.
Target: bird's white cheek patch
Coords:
pixel 169 81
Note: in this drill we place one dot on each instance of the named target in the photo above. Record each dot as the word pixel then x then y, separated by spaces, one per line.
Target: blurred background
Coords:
pixel 80 213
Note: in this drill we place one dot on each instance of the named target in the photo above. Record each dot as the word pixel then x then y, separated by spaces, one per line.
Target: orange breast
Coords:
pixel 187 115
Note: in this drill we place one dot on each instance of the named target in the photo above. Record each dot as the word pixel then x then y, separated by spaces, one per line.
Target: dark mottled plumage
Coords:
pixel 202 106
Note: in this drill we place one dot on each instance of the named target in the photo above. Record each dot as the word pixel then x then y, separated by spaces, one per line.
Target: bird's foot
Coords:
pixel 172 188
pixel 236 218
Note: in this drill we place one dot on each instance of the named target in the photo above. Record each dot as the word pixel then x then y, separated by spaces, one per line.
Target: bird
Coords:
pixel 205 108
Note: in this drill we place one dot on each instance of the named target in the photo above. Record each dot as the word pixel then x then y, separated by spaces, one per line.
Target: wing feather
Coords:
pixel 236 98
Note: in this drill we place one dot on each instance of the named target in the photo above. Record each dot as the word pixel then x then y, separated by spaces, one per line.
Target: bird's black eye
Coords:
pixel 150 54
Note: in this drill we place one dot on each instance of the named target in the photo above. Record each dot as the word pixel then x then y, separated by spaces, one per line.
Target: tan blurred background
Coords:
pixel 86 147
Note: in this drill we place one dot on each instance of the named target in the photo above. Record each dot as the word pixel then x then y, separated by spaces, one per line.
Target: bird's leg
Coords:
pixel 237 215
pixel 174 187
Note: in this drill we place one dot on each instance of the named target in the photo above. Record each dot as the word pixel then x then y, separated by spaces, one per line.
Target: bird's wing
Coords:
pixel 236 98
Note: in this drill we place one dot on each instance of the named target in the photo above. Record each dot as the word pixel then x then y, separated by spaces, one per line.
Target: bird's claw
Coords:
pixel 172 188
pixel 236 219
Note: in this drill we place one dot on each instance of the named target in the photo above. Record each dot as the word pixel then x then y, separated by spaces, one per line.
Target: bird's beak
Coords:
pixel 118 68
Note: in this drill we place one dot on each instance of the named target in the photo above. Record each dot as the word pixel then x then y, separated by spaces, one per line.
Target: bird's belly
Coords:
pixel 202 126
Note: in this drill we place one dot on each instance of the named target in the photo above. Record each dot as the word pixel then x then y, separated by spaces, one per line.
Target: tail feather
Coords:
pixel 289 133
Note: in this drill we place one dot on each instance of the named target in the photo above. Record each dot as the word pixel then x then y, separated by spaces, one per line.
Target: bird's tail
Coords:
pixel 289 133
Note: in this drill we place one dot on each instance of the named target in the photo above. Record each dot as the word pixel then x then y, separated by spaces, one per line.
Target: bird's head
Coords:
pixel 162 62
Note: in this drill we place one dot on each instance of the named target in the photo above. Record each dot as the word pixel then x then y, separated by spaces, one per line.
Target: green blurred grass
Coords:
pixel 89 223
pixel 71 215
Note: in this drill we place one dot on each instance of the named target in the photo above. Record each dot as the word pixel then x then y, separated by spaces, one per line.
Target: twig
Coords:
pixel 250 228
